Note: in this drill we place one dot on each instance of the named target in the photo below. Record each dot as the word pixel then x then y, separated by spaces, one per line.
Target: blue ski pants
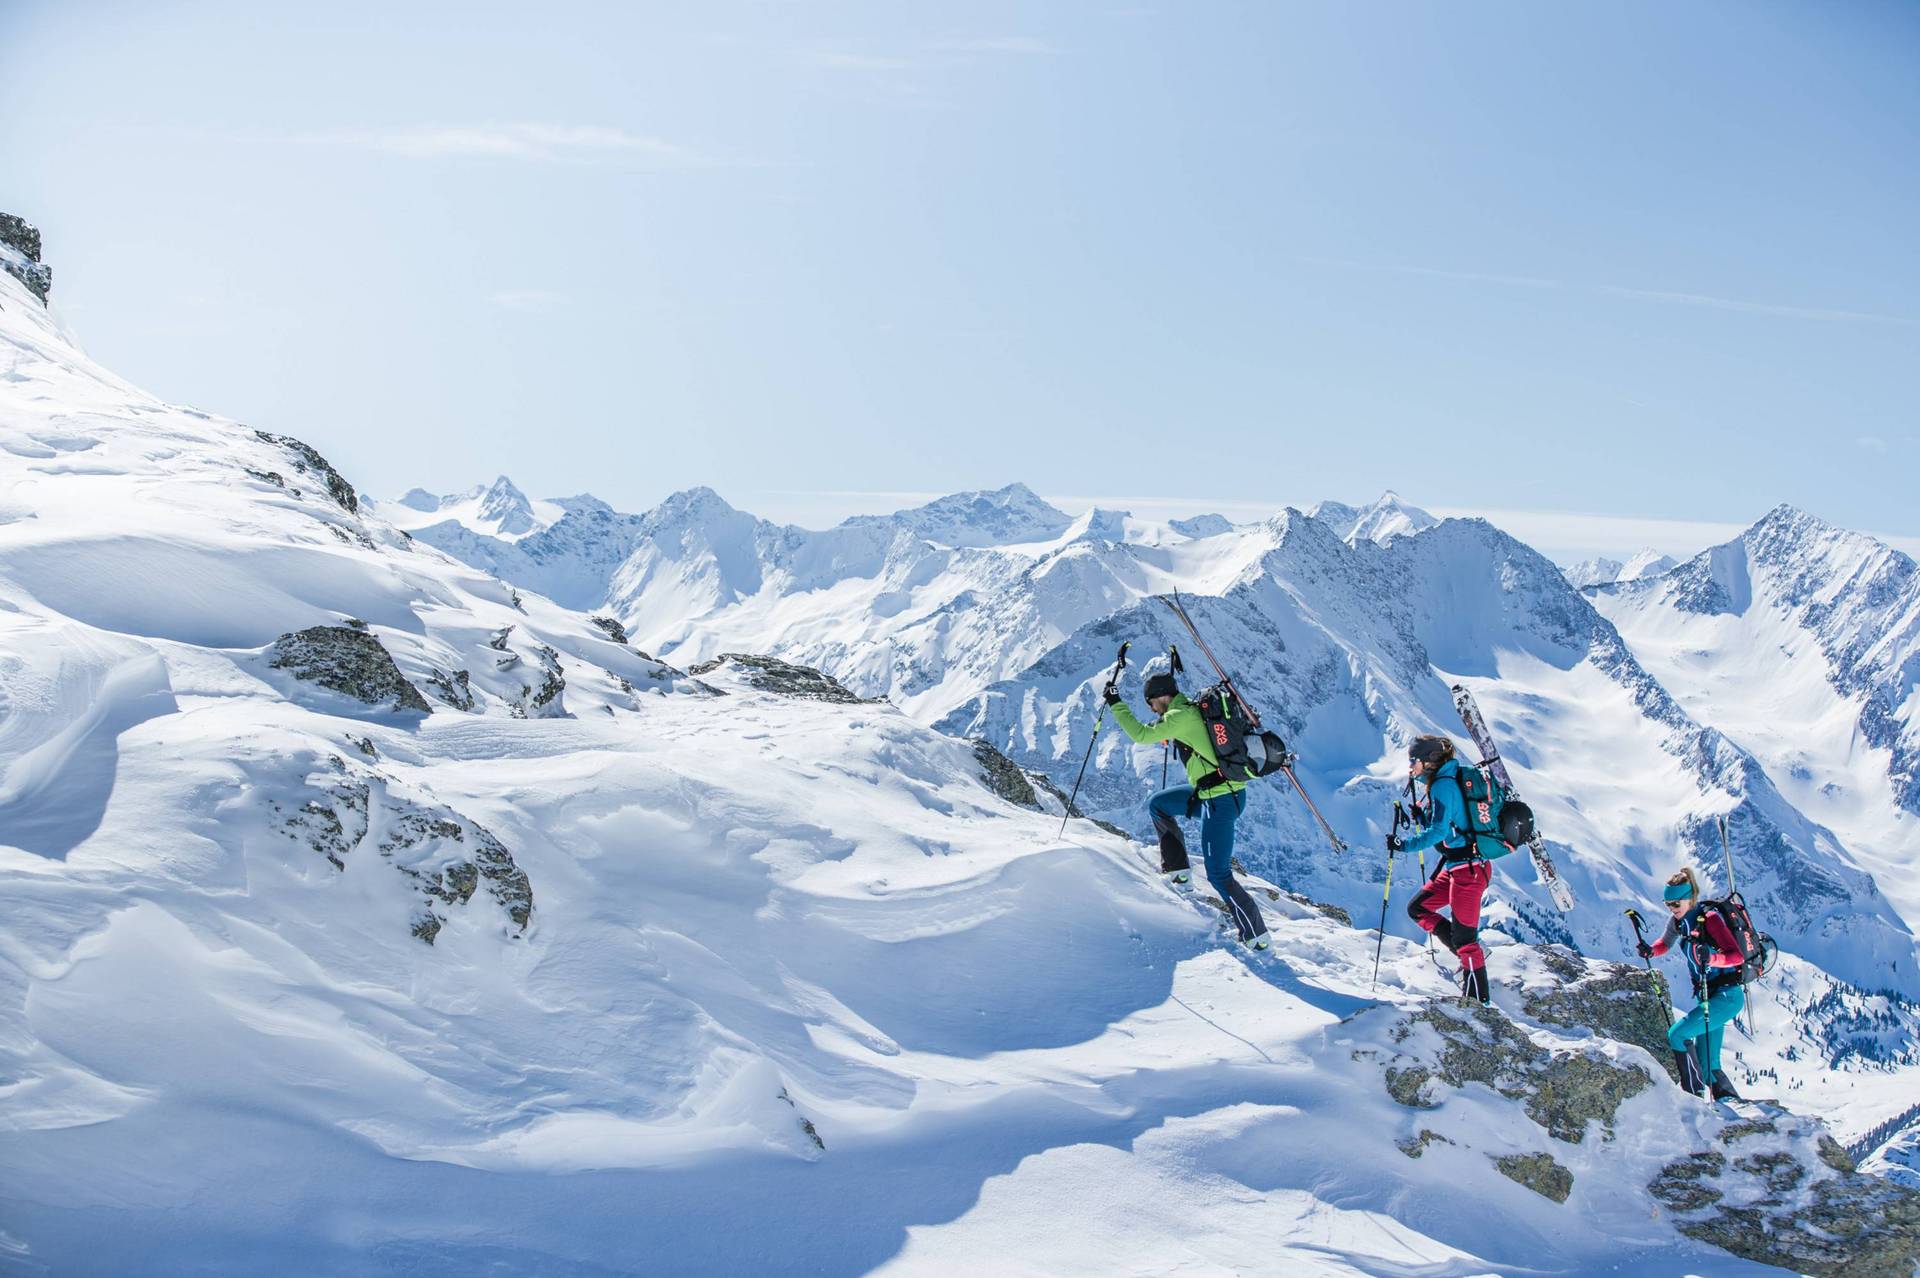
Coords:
pixel 1218 816
pixel 1707 1022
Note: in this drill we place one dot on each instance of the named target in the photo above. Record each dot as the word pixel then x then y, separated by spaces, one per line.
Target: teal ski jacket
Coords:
pixel 1447 824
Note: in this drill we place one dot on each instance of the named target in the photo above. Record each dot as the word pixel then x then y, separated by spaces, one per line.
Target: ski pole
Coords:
pixel 1113 680
pixel 1166 747
pixel 1399 818
pixel 1659 986
pixel 1726 849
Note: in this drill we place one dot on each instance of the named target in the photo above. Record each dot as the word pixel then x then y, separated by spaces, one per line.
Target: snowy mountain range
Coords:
pixel 382 890
pixel 1350 623
pixel 1602 571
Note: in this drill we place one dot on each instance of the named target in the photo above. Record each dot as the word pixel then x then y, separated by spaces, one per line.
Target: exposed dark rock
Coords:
pixel 364 745
pixel 770 674
pixel 1618 1002
pixel 614 630
pixel 306 460
pixel 1333 912
pixel 1538 1172
pixel 1840 1224
pixel 1002 776
pixel 499 640
pixel 24 262
pixel 455 689
pixel 1683 1185
pixel 546 698
pixel 350 662
pixel 412 832
pixel 1563 1091
pixel 1414 1146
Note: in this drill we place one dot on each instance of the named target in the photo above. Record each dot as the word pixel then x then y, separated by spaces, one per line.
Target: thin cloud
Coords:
pixel 542 143
pixel 1823 314
pixel 1751 308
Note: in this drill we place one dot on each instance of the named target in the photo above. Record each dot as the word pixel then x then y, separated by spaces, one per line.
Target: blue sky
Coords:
pixel 1646 261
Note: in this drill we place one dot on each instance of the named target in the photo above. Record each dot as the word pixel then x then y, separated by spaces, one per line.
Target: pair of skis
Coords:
pixel 1476 725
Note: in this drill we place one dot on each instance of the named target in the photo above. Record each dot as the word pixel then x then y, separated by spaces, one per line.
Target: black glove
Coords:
pixel 1644 950
pixel 1110 696
pixel 1396 844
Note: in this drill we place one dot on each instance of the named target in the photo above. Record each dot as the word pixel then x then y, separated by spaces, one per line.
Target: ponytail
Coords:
pixel 1686 876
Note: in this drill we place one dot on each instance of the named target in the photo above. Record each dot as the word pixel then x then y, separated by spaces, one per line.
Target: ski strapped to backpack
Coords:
pixel 1733 890
pixel 1272 755
pixel 1491 762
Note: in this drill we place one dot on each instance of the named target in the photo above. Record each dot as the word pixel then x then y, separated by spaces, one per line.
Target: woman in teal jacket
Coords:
pixel 1218 801
pixel 1465 867
pixel 1715 961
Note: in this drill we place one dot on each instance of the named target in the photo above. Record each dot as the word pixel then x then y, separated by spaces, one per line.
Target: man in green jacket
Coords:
pixel 1217 800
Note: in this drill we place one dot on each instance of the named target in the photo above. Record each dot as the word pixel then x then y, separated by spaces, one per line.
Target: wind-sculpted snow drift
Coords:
pixel 596 967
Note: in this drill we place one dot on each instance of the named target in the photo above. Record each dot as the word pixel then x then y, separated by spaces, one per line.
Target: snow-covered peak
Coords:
pixel 1380 523
pixel 1647 563
pixel 1209 525
pixel 1597 571
pixel 1097 524
pixel 1600 570
pixel 1005 516
pixel 498 509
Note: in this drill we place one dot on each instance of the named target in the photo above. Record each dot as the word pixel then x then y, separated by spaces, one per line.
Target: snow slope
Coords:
pixel 1803 642
pixel 652 974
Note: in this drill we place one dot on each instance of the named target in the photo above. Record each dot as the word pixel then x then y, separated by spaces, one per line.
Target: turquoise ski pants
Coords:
pixel 1707 1021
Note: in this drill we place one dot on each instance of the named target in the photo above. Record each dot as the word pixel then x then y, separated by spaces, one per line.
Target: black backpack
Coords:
pixel 1491 812
pixel 1240 753
pixel 1757 950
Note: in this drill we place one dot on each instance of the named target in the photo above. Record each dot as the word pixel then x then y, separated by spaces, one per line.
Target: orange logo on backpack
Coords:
pixel 1220 734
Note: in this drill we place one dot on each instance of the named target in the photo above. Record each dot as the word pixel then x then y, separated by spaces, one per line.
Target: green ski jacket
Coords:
pixel 1182 725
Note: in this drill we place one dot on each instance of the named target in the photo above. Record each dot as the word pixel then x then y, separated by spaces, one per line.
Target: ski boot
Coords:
pixel 1260 944
pixel 1689 1070
pixel 1723 1087
pixel 1178 880
pixel 1474 986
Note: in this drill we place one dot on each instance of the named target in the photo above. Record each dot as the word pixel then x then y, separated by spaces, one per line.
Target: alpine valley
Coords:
pixel 471 883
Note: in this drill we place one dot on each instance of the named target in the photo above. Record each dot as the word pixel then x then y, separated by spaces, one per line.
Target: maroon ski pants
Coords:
pixel 1456 886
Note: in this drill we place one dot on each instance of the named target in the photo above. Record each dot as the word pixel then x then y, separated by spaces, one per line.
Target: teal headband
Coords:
pixel 1678 891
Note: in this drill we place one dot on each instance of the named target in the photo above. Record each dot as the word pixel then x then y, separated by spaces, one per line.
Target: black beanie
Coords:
pixel 1161 685
pixel 1430 749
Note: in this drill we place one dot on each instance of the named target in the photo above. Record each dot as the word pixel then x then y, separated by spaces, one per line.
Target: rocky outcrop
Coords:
pixel 23 260
pixel 309 462
pixel 1618 1001
pixel 1783 1193
pixel 543 702
pixel 455 688
pixel 1447 1046
pixel 612 628
pixel 1538 1172
pixel 770 674
pixel 348 661
pixel 445 856
pixel 1003 776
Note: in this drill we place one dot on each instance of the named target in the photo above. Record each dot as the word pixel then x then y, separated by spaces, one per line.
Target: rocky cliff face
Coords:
pixel 20 255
